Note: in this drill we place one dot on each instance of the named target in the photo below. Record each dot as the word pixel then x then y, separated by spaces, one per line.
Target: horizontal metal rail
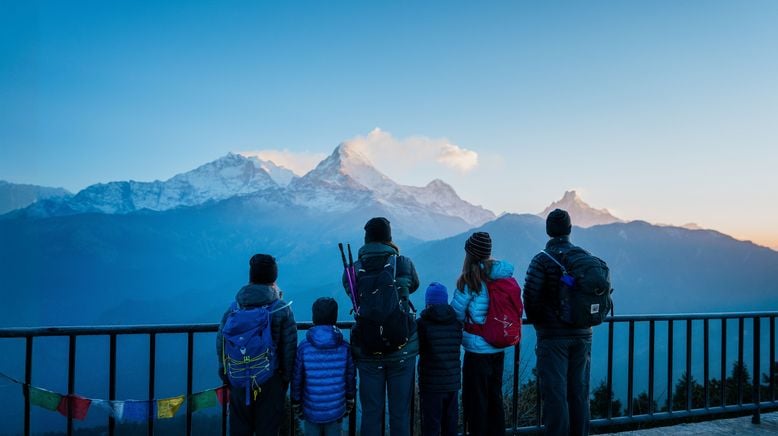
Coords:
pixel 651 415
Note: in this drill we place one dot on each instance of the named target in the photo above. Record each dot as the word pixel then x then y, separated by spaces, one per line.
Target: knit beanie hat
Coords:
pixel 479 245
pixel 378 230
pixel 263 269
pixel 558 223
pixel 325 311
pixel 436 294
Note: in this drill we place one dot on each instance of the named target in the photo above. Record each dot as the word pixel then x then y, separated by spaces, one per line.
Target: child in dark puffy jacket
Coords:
pixel 440 339
pixel 324 382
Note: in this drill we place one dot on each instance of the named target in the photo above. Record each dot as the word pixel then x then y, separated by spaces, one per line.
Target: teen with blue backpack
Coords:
pixel 256 344
pixel 324 384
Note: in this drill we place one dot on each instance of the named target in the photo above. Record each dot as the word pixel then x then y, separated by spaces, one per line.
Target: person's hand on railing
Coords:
pixel 349 405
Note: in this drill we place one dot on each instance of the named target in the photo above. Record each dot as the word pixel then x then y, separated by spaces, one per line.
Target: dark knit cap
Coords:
pixel 479 245
pixel 325 311
pixel 263 269
pixel 378 230
pixel 558 223
pixel 436 294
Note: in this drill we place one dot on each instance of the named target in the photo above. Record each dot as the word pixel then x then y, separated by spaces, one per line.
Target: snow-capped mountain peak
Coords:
pixel 581 214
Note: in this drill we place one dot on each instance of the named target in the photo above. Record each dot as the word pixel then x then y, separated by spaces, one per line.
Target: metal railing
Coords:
pixel 112 332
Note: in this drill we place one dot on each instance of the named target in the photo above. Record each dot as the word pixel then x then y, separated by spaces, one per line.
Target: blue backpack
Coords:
pixel 249 354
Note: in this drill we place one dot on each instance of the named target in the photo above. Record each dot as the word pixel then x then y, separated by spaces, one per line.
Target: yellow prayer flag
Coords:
pixel 167 407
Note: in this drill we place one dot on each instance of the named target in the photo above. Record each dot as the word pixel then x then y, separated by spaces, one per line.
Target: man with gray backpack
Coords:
pixel 256 345
pixel 566 292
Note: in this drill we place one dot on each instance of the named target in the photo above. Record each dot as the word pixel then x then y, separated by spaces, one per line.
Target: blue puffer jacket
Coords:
pixel 477 306
pixel 324 375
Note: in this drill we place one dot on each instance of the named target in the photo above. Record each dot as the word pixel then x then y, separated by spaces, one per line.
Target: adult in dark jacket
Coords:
pixel 388 372
pixel 440 375
pixel 324 384
pixel 563 353
pixel 262 416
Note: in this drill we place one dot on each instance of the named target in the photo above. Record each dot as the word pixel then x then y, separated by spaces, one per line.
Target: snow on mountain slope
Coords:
pixel 581 214
pixel 346 173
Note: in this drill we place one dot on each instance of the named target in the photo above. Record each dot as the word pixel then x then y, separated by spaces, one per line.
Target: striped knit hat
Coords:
pixel 479 245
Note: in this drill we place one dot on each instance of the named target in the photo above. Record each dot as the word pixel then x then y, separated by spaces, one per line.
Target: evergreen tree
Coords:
pixel 640 405
pixel 680 396
pixel 599 403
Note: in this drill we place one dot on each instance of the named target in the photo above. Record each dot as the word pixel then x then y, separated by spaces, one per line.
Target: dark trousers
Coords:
pixel 376 379
pixel 439 413
pixel 563 368
pixel 261 417
pixel 328 429
pixel 482 393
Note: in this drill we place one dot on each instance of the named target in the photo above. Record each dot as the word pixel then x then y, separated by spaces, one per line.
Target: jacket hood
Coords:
pixel 501 270
pixel 324 336
pixel 257 295
pixel 376 249
pixel 439 313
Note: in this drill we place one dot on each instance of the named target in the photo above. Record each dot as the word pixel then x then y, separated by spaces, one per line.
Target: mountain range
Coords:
pixel 16 196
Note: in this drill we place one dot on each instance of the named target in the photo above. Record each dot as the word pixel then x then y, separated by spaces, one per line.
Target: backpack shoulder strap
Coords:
pixel 564 270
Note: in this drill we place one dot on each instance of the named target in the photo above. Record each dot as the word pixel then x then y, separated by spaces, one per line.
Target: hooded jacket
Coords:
pixel 440 339
pixel 407 283
pixel 324 375
pixel 283 328
pixel 541 293
pixel 477 306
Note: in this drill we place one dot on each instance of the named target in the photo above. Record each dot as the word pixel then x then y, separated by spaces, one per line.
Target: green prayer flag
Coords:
pixel 204 400
pixel 43 398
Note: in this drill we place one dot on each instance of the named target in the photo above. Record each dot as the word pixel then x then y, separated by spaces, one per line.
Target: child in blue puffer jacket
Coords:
pixel 324 383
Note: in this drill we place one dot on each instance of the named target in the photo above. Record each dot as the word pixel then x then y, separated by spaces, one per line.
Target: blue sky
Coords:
pixel 660 110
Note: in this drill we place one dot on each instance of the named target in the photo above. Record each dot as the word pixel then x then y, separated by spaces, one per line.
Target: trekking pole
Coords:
pixel 353 274
pixel 348 277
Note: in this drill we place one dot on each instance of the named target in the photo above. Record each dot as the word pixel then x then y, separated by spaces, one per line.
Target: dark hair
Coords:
pixel 474 273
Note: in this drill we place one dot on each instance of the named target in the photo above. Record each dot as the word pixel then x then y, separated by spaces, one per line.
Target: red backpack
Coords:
pixel 502 327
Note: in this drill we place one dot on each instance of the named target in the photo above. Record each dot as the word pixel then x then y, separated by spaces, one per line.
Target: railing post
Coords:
pixel 152 366
pixel 352 420
pixel 740 335
pixel 651 337
pixel 609 375
pixel 189 365
pixel 630 368
pixel 772 358
pixel 706 360
pixel 515 399
pixel 111 381
pixel 27 383
pixel 71 380
pixel 670 366
pixel 688 364
pixel 723 386
pixel 756 419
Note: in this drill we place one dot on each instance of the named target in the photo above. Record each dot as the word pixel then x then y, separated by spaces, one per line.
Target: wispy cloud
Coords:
pixel 389 153
pixel 299 162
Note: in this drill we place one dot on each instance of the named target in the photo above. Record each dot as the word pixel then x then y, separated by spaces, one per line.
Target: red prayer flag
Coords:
pixel 223 394
pixel 79 405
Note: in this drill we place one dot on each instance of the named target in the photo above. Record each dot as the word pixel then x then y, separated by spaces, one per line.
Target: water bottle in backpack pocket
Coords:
pixel 249 354
pixel 383 321
pixel 584 288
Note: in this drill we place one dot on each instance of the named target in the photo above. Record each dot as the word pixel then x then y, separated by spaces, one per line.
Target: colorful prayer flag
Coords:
pixel 43 398
pixel 223 393
pixel 136 411
pixel 167 407
pixel 77 406
pixel 203 400
pixel 113 408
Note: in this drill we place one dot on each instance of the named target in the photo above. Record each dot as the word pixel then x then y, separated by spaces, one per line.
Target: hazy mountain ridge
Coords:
pixel 17 195
pixel 580 212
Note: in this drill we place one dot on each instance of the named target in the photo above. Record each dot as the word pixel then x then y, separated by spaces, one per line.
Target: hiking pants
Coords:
pixel 261 417
pixel 482 393
pixel 328 429
pixel 376 379
pixel 563 369
pixel 439 413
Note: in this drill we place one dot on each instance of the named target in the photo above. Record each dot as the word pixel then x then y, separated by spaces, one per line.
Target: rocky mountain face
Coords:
pixel 581 214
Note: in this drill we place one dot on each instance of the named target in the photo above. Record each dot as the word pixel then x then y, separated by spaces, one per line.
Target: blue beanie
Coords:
pixel 436 294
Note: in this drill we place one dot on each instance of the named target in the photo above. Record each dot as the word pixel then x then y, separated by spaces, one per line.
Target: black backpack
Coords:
pixel 383 322
pixel 584 288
